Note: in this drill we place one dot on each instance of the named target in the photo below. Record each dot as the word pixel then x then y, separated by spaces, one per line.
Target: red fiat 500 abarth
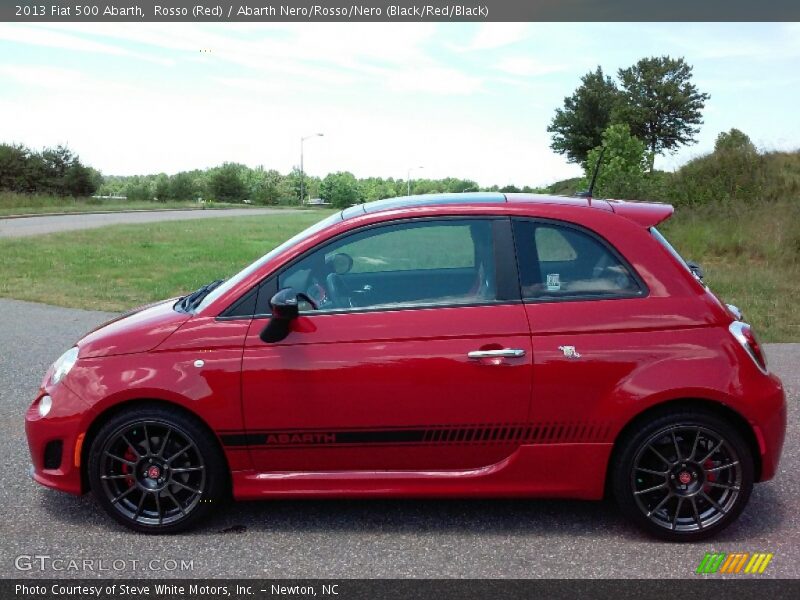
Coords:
pixel 454 345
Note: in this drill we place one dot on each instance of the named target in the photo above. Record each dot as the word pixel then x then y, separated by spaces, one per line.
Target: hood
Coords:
pixel 139 330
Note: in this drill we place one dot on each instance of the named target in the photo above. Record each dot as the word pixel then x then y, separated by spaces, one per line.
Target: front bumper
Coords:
pixel 55 441
pixel 770 426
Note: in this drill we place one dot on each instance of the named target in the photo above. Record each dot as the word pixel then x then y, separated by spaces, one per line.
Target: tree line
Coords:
pixel 55 171
pixel 58 171
pixel 234 182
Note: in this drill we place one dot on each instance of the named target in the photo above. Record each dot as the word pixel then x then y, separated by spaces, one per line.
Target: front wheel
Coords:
pixel 683 476
pixel 156 470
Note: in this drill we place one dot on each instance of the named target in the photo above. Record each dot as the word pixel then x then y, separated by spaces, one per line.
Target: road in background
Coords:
pixel 24 226
pixel 358 538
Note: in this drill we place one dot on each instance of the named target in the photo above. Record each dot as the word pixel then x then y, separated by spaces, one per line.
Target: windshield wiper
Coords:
pixel 189 301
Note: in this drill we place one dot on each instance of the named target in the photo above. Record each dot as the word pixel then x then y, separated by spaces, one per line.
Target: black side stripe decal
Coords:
pixel 543 433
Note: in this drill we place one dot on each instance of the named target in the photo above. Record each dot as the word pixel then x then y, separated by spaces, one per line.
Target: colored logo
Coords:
pixel 734 562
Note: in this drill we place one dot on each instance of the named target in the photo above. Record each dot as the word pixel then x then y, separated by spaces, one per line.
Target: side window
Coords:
pixel 558 261
pixel 404 264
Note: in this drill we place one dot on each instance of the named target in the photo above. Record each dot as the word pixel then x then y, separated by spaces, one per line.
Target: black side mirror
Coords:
pixel 285 308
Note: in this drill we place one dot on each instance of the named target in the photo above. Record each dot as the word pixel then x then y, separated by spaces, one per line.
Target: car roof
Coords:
pixel 647 214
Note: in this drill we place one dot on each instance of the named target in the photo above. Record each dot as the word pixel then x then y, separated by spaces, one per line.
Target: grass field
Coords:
pixel 118 267
pixel 25 204
pixel 751 255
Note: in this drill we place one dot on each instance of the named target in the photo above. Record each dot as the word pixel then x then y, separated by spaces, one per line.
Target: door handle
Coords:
pixel 508 353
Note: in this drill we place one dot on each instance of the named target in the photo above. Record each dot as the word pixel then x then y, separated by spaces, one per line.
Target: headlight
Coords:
pixel 64 364
pixel 45 404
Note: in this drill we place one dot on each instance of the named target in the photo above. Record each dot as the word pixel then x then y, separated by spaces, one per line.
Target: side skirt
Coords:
pixel 541 470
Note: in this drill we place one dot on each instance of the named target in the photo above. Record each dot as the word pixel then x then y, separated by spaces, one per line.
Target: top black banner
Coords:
pixel 408 11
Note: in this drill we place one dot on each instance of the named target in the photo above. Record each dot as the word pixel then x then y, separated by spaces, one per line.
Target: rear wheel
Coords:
pixel 156 469
pixel 683 476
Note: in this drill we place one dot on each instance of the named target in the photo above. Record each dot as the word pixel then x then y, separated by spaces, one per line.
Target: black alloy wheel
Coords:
pixel 156 470
pixel 684 476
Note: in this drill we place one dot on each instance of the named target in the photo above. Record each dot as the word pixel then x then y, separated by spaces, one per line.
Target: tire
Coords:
pixel 684 475
pixel 156 469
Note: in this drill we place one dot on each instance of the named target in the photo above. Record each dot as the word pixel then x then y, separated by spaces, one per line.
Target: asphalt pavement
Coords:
pixel 365 538
pixel 25 226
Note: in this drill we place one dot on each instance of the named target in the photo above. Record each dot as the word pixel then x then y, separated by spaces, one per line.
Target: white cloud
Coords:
pixel 58 81
pixel 527 66
pixel 433 80
pixel 39 36
pixel 490 36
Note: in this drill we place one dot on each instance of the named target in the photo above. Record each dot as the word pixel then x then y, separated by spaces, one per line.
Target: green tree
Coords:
pixel 55 162
pixel 267 187
pixel 622 173
pixel 182 186
pixel 79 180
pixel 377 188
pixel 457 186
pixel 227 183
pixel 14 168
pixel 341 189
pixel 163 189
pixel 661 104
pixel 578 126
pixel 138 188
pixel 293 183
pixel 97 179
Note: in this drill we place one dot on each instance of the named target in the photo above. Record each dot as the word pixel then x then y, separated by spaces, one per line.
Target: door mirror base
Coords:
pixel 285 309
pixel 276 330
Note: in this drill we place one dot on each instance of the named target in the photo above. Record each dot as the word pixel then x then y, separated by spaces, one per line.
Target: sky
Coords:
pixel 458 99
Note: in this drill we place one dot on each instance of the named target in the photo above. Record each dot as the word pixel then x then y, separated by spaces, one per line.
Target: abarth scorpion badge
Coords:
pixel 569 351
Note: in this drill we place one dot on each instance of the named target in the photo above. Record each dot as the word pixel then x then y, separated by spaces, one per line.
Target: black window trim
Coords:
pixel 506 273
pixel 644 290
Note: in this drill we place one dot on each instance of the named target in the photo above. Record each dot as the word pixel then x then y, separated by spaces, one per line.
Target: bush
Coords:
pixel 733 170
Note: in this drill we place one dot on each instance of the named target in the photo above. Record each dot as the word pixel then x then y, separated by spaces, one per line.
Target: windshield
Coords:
pixel 233 281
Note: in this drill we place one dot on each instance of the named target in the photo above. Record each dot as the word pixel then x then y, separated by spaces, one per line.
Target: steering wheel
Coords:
pixel 318 293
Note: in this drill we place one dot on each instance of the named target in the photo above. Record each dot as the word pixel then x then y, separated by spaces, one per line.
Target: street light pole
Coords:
pixel 408 179
pixel 302 172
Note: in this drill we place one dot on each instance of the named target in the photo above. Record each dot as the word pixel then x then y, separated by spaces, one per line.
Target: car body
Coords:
pixel 446 345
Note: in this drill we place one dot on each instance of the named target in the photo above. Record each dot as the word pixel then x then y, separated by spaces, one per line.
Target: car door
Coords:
pixel 586 311
pixel 417 356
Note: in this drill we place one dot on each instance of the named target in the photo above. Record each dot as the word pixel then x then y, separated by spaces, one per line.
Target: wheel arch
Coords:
pixel 110 411
pixel 712 406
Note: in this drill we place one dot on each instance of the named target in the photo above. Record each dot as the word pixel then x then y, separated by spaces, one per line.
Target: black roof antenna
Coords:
pixel 588 193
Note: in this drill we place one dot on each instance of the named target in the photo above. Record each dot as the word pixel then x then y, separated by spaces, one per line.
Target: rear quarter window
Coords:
pixel 564 262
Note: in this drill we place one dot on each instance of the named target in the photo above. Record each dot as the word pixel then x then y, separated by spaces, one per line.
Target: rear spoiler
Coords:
pixel 646 214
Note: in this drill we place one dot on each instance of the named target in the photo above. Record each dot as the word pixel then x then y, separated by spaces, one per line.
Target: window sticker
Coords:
pixel 553 282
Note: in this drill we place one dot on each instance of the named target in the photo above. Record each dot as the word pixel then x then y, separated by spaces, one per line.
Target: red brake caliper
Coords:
pixel 710 477
pixel 126 468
